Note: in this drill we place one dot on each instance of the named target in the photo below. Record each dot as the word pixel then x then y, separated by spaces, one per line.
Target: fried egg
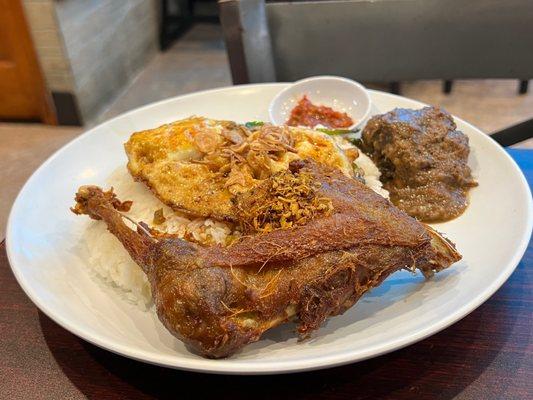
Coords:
pixel 197 165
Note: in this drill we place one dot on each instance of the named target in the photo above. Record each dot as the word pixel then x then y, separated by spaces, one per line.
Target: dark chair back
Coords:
pixel 378 40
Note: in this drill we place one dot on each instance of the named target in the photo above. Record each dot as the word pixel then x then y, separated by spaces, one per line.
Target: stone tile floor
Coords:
pixel 195 62
pixel 198 61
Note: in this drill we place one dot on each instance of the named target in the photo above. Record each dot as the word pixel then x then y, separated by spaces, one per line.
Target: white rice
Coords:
pixel 364 162
pixel 111 262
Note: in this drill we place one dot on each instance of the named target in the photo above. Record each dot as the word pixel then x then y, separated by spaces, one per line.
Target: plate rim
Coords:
pixel 242 367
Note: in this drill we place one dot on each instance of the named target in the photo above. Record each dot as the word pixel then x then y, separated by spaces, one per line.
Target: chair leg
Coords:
pixel 523 87
pixel 447 86
pixel 174 25
pixel 514 134
pixel 163 28
pixel 394 87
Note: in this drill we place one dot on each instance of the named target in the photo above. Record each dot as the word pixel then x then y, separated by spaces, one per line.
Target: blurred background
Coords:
pixel 67 65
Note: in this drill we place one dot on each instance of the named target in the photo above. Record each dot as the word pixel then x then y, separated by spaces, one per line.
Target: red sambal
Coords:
pixel 308 114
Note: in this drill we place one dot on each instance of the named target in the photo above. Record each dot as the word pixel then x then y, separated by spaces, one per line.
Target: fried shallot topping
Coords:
pixel 159 217
pixel 248 157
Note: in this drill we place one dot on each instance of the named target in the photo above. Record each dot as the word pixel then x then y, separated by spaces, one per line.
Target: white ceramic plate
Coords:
pixel 42 237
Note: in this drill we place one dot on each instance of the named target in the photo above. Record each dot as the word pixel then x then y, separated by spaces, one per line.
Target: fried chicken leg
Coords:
pixel 217 299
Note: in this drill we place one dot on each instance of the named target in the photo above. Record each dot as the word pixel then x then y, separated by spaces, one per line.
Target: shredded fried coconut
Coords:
pixel 285 200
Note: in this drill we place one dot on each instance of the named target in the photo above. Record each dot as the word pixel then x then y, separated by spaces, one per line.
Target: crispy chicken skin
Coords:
pixel 217 299
pixel 197 165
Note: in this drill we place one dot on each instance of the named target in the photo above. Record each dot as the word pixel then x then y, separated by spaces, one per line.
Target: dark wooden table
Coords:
pixel 487 355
